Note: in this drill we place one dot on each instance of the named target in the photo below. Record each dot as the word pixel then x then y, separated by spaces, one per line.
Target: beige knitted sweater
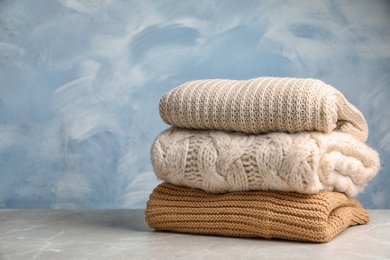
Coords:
pixel 317 218
pixel 306 162
pixel 262 105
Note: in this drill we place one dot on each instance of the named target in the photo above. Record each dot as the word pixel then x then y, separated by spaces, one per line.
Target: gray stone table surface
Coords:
pixel 123 234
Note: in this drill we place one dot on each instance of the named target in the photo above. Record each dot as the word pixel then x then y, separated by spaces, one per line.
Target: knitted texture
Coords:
pixel 307 162
pixel 262 105
pixel 317 218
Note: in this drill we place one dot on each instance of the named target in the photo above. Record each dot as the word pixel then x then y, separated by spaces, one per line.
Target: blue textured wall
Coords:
pixel 80 82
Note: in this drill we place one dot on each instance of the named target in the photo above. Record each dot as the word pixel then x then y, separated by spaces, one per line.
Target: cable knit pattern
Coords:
pixel 307 162
pixel 316 218
pixel 262 105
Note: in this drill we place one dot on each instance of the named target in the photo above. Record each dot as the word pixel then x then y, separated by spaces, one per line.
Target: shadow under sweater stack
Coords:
pixel 266 157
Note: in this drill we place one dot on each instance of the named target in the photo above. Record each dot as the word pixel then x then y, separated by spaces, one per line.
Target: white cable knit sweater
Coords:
pixel 306 162
pixel 262 105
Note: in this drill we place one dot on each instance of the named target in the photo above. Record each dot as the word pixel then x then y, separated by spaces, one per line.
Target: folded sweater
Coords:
pixel 307 162
pixel 262 105
pixel 285 215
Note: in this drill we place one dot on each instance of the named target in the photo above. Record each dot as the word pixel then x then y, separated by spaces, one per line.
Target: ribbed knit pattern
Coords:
pixel 317 218
pixel 307 162
pixel 262 105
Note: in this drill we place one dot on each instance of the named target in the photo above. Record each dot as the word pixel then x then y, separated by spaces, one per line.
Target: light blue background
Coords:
pixel 80 82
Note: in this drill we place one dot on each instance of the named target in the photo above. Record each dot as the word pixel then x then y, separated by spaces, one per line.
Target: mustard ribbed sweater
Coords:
pixel 317 218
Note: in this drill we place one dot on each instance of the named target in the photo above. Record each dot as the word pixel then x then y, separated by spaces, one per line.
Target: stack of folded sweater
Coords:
pixel 265 157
